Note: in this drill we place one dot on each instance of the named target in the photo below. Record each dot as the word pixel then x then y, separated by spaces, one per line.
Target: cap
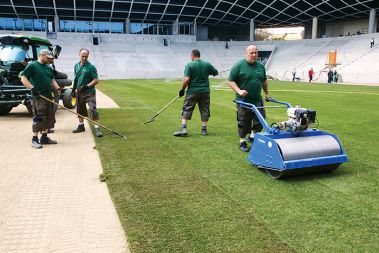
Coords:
pixel 47 53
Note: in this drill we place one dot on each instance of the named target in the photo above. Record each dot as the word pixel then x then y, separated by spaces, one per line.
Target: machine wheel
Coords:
pixel 60 75
pixel 276 174
pixel 68 101
pixel 4 109
pixel 63 82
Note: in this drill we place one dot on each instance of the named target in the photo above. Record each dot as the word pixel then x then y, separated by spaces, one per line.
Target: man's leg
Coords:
pixel 204 108
pixel 82 110
pixel 244 118
pixel 50 120
pixel 187 110
pixel 94 114
pixel 38 110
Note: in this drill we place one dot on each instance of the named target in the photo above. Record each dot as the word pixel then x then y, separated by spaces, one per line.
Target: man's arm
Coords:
pixel 185 83
pixel 236 89
pixel 93 83
pixel 265 88
pixel 55 85
pixel 214 71
pixel 25 81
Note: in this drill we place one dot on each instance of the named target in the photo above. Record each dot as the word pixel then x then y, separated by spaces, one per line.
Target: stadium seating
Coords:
pixel 136 56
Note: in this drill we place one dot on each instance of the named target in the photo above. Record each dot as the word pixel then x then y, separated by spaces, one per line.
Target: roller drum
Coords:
pixel 308 147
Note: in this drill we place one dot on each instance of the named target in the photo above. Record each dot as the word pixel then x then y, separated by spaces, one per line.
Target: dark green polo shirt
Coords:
pixel 40 76
pixel 198 71
pixel 248 77
pixel 84 75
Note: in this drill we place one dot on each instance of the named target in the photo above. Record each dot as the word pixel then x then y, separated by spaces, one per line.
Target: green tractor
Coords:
pixel 15 53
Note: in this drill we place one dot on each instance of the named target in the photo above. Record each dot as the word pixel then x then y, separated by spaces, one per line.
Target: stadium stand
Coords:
pixel 122 56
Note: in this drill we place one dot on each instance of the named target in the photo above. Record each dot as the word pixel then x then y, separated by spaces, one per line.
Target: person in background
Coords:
pixel 310 74
pixel 335 76
pixel 330 76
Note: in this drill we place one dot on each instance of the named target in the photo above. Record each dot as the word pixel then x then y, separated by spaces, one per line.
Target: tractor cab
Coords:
pixel 16 51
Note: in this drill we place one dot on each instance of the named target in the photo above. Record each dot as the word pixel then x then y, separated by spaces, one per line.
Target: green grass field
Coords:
pixel 200 194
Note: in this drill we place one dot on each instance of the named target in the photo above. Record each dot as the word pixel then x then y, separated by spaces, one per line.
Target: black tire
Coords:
pixel 63 82
pixel 68 101
pixel 60 75
pixel 279 174
pixel 4 109
pixel 276 174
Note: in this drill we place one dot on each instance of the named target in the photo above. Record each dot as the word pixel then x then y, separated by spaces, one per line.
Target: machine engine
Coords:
pixel 298 119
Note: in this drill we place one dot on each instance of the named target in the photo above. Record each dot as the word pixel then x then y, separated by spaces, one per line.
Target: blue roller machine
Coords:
pixel 289 147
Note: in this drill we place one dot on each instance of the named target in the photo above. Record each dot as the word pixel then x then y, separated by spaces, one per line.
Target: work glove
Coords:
pixel 35 92
pixel 181 92
pixel 268 99
pixel 73 93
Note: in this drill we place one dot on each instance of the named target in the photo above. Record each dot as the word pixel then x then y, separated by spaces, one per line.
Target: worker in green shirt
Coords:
pixel 39 78
pixel 84 88
pixel 247 77
pixel 196 79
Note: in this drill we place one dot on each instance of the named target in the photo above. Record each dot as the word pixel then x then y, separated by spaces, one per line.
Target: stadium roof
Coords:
pixel 210 12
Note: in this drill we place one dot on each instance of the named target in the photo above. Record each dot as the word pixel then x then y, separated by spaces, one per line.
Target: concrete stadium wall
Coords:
pixel 125 56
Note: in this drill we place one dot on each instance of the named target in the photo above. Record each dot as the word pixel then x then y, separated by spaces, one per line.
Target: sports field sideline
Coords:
pixel 200 194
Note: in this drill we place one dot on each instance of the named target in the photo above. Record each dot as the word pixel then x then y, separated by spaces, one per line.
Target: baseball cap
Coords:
pixel 47 53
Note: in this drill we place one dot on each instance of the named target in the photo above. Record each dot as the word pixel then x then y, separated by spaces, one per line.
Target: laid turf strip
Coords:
pixel 200 194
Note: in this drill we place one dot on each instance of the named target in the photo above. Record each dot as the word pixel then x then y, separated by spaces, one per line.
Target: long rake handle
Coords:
pixel 88 119
pixel 152 118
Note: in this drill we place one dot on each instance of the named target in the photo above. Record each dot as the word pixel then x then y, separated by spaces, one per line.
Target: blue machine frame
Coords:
pixel 266 153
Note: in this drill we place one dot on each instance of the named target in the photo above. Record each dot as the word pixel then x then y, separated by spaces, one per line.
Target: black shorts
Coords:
pixel 43 115
pixel 203 99
pixel 83 100
pixel 247 120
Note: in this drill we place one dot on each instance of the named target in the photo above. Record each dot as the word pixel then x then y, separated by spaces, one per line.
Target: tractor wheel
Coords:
pixel 60 75
pixel 63 82
pixel 68 101
pixel 4 109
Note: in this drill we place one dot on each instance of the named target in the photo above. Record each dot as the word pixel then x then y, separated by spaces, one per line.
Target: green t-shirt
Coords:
pixel 248 77
pixel 198 71
pixel 40 76
pixel 84 75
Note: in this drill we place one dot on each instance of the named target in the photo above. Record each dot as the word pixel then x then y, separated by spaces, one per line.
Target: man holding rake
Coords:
pixel 196 79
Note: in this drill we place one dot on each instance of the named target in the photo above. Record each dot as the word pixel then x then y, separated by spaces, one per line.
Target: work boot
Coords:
pixel 181 132
pixel 46 140
pixel 36 144
pixel 204 132
pixel 79 129
pixel 98 132
pixel 244 147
